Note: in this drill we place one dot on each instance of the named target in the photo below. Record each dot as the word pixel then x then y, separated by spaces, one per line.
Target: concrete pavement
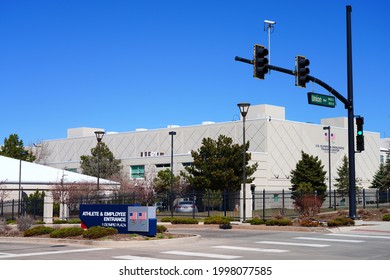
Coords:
pixel 361 227
pixel 373 227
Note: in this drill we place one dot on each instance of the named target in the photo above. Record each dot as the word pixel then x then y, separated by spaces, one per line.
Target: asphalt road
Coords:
pixel 368 242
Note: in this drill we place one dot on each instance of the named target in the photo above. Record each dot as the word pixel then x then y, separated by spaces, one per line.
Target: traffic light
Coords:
pixel 260 63
pixel 301 71
pixel 359 134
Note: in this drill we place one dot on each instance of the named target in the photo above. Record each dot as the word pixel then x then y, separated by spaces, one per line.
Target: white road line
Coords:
pixel 252 249
pixel 195 254
pixel 330 240
pixel 51 253
pixel 129 257
pixel 360 236
pixel 293 244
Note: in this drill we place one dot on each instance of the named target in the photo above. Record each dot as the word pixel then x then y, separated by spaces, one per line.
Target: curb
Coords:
pixel 100 243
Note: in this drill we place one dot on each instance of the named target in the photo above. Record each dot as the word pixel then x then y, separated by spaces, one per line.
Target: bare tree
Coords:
pixel 41 151
pixel 141 189
pixel 4 192
pixel 70 194
pixel 125 185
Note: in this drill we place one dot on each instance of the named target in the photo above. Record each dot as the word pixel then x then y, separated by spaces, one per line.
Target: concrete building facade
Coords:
pixel 275 144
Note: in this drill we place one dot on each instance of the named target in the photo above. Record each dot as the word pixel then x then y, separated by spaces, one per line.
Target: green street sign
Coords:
pixel 321 99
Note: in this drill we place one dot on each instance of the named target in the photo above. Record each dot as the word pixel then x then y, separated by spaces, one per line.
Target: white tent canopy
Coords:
pixel 10 169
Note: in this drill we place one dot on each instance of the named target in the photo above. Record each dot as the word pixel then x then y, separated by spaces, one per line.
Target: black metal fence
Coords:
pixel 11 209
pixel 263 204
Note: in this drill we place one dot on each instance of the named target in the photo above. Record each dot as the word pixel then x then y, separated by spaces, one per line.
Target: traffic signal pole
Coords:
pixel 348 103
pixel 351 144
pixel 311 78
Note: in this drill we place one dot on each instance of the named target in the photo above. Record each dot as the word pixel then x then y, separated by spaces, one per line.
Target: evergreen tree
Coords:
pixel 386 178
pixel 217 165
pixel 342 184
pixel 162 182
pixel 102 160
pixel 308 177
pixel 379 178
pixel 13 148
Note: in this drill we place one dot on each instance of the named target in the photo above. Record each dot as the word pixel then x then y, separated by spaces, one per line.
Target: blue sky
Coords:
pixel 122 65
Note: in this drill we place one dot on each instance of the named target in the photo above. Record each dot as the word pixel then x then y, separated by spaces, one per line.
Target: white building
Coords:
pixel 385 149
pixel 20 178
pixel 275 144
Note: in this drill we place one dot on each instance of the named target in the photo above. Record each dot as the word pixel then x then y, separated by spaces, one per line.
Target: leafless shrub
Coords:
pixel 308 205
pixel 24 222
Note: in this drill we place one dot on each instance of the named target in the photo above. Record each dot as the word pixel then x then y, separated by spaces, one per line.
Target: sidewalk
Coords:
pixel 369 227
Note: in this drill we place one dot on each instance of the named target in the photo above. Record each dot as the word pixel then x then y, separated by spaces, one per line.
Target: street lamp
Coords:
pixel 20 182
pixel 99 137
pixel 244 107
pixel 329 172
pixel 172 133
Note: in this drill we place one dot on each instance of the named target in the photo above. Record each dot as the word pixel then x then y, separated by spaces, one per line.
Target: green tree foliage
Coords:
pixel 217 165
pixel 13 147
pixel 386 178
pixel 101 157
pixel 342 184
pixel 34 202
pixel 162 182
pixel 379 178
pixel 308 177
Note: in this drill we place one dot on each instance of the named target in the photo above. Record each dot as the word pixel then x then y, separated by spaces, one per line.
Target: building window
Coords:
pixel 162 165
pixel 137 171
pixel 71 170
pixel 276 197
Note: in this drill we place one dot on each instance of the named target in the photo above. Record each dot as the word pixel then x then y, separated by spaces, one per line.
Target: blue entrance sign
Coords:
pixel 125 218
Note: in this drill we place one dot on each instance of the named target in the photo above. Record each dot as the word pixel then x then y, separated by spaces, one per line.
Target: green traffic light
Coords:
pixel 360 132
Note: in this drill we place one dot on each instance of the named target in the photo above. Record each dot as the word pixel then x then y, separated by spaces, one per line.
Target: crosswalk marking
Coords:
pixel 293 244
pixel 139 258
pixel 196 254
pixel 329 239
pixel 51 253
pixel 252 249
pixel 359 236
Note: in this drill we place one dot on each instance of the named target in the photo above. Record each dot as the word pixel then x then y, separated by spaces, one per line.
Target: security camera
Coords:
pixel 269 21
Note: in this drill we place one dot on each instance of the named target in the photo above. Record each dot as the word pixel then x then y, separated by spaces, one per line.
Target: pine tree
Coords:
pixel 308 177
pixel 13 147
pixel 342 184
pixel 217 165
pixel 386 178
pixel 102 160
pixel 379 177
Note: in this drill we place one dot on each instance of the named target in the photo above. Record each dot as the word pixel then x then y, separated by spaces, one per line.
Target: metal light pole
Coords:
pixel 99 137
pixel 244 107
pixel 330 168
pixel 20 183
pixel 172 133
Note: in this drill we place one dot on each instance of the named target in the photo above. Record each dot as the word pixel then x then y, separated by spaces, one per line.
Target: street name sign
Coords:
pixel 321 99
